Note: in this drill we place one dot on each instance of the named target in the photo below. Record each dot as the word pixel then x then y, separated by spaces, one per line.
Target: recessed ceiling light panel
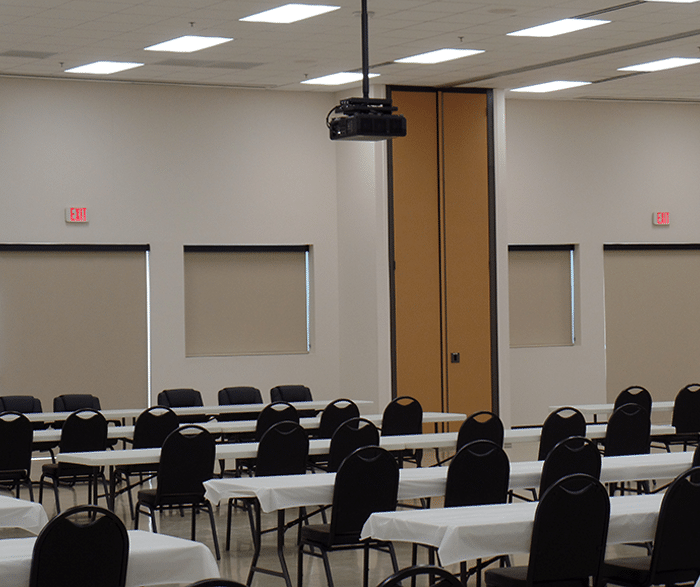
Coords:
pixel 337 79
pixel 188 44
pixel 103 67
pixel 289 13
pixel 559 27
pixel 439 56
pixel 669 63
pixel 550 87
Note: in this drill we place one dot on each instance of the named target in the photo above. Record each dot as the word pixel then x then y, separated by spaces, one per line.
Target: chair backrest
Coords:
pixel 75 401
pixel 153 426
pixel 686 409
pixel 180 398
pixel 635 394
pixel 628 431
pixel 16 435
pixel 366 482
pixel 677 538
pixel 84 545
pixel 25 404
pixel 569 532
pixel 348 437
pixel 282 450
pixel 273 413
pixel 84 430
pixel 186 462
pixel 482 425
pixel 560 424
pixel 436 575
pixel 239 395
pixel 575 454
pixel 335 413
pixel 478 475
pixel 403 415
pixel 290 393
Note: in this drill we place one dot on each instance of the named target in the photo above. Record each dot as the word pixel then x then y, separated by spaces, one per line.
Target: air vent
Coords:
pixel 27 54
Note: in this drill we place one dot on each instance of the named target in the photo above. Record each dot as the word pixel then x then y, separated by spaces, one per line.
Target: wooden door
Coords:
pixel 441 249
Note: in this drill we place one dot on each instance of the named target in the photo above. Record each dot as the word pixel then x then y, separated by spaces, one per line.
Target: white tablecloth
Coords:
pixel 18 513
pixel 154 559
pixel 483 531
pixel 292 491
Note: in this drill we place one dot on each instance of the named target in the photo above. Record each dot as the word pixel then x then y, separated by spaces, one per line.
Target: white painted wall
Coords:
pixel 592 173
pixel 171 166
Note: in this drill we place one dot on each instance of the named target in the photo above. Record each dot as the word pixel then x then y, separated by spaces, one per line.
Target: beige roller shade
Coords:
pixel 540 296
pixel 74 320
pixel 652 318
pixel 246 300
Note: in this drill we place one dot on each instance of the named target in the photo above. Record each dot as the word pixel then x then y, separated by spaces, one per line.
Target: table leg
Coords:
pixel 257 540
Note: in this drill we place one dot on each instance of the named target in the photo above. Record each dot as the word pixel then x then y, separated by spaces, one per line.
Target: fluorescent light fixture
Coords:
pixel 188 44
pixel 669 63
pixel 439 56
pixel 337 79
pixel 559 27
pixel 103 67
pixel 290 13
pixel 550 87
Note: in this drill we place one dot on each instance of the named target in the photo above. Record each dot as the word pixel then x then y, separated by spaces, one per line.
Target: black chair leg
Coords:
pixel 213 531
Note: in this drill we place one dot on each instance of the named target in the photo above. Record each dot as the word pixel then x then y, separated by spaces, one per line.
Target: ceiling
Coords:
pixel 42 38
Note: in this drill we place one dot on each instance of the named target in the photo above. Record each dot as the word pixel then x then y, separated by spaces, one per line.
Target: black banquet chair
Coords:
pixel 483 425
pixel 568 537
pixel 366 482
pixel 282 450
pixel 186 462
pixel 560 424
pixel 477 475
pixel 152 427
pixel 685 418
pixel 334 414
pixel 674 557
pixel 83 430
pixel 572 455
pixel 183 398
pixel 85 545
pixel 635 394
pixel 437 577
pixel 239 395
pixel 71 402
pixel 404 415
pixel 348 437
pixel 28 404
pixel 16 434
pixel 628 433
pixel 293 393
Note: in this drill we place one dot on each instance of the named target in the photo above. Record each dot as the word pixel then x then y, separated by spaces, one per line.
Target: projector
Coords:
pixel 365 119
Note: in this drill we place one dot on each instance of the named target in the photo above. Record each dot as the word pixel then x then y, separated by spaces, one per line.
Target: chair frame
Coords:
pixel 16 434
pixel 358 478
pixel 190 496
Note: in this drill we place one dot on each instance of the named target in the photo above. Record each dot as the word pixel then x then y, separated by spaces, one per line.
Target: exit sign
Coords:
pixel 76 215
pixel 661 218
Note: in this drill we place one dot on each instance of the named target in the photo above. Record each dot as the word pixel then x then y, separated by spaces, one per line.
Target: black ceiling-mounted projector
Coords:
pixel 365 119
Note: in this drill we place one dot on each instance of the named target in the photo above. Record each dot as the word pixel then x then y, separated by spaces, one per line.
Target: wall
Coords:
pixel 592 173
pixel 169 166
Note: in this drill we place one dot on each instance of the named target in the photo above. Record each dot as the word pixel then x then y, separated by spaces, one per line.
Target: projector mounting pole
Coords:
pixel 365 52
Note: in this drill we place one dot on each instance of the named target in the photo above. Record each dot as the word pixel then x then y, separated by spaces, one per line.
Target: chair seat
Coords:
pixel 66 470
pixel 321 534
pixel 517 577
pixel 635 571
pixel 148 497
